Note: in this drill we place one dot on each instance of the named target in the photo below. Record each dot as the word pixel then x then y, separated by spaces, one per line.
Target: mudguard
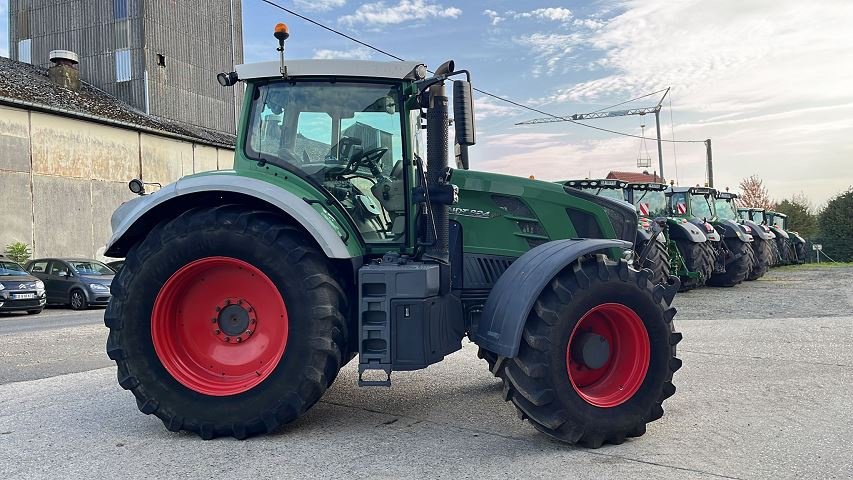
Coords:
pixel 732 229
pixel 711 234
pixel 505 313
pixel 317 226
pixel 685 231
pixel 759 231
pixel 779 232
pixel 796 238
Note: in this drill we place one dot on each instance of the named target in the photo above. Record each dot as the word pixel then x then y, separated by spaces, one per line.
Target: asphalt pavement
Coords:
pixel 765 392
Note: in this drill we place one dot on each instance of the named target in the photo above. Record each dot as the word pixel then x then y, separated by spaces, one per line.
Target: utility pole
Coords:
pixel 660 148
pixel 710 163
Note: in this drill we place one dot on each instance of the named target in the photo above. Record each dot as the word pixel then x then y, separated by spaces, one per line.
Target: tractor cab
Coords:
pixel 696 205
pixel 777 220
pixel 608 188
pixel 648 198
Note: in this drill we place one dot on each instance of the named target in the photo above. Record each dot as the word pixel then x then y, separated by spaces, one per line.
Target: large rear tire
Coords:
pixel 698 257
pixel 800 250
pixel 774 253
pixel 737 270
pixel 226 321
pixel 763 260
pixel 658 262
pixel 786 257
pixel 590 397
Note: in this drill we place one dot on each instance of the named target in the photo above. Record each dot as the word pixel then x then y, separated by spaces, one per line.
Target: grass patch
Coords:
pixel 818 265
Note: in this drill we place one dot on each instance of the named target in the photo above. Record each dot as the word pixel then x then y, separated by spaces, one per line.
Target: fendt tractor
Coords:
pixel 756 215
pixel 245 291
pixel 728 240
pixel 646 254
pixel 792 246
pixel 685 244
pixel 762 238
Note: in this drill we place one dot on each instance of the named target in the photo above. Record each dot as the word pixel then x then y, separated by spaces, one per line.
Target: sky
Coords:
pixel 770 82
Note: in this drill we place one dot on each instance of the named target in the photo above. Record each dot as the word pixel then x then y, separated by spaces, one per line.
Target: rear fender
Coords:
pixel 685 231
pixel 173 198
pixel 796 238
pixel 514 294
pixel 779 232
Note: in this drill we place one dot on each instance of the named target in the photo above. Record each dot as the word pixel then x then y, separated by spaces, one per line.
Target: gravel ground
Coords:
pixel 764 393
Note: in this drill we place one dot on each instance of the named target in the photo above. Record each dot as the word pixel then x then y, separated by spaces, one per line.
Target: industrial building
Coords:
pixel 160 57
pixel 68 149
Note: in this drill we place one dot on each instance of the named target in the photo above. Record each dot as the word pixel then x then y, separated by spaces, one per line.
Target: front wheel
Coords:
pixel 597 355
pixel 657 261
pixel 226 321
pixel 699 259
pixel 763 258
pixel 800 250
pixel 738 268
pixel 77 300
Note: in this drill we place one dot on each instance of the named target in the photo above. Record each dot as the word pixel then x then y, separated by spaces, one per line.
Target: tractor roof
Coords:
pixel 595 182
pixel 699 190
pixel 776 214
pixel 727 195
pixel 330 68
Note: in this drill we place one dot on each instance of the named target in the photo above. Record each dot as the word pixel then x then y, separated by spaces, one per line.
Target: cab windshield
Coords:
pixel 614 193
pixel 650 203
pixel 702 206
pixel 778 221
pixel 759 218
pixel 346 137
pixel 726 209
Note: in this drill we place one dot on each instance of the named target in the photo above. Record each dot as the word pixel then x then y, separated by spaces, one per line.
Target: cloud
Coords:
pixel 494 17
pixel 551 50
pixel 319 5
pixel 486 107
pixel 358 53
pixel 554 14
pixel 378 13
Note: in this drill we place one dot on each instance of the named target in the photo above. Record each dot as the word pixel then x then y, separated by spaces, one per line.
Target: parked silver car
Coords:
pixel 77 282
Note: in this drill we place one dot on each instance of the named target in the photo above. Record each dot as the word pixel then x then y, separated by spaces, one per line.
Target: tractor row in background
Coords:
pixel 788 247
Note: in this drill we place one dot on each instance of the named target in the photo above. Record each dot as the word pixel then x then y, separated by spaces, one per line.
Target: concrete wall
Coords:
pixel 61 178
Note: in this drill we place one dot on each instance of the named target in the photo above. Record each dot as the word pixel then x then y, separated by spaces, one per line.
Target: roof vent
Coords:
pixel 64 71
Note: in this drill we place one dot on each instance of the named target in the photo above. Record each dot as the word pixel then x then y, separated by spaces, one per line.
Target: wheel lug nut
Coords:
pixel 239 339
pixel 212 320
pixel 227 339
pixel 217 309
pixel 217 331
pixel 248 332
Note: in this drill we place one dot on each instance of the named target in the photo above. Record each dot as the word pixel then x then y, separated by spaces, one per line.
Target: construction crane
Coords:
pixel 613 113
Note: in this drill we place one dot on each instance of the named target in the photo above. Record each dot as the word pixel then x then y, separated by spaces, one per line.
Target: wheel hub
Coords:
pixel 235 320
pixel 592 350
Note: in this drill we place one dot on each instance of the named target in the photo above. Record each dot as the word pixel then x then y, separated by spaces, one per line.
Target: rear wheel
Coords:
pixel 785 255
pixel 658 262
pixel 800 250
pixel 737 269
pixel 597 355
pixel 774 253
pixel 762 252
pixel 699 258
pixel 226 322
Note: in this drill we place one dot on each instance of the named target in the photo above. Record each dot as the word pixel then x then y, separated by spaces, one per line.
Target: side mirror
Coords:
pixel 463 119
pixel 63 274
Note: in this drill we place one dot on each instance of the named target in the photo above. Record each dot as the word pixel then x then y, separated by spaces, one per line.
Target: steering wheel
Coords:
pixel 369 159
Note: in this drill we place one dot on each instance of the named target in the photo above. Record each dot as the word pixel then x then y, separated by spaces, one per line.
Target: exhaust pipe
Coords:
pixel 437 163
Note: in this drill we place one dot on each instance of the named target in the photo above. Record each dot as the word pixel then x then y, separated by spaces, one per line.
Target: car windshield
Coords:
pixel 726 209
pixel 8 269
pixel 650 203
pixel 91 268
pixel 702 206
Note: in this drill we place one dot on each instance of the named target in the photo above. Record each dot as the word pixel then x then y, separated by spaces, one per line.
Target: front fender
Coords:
pixel 316 224
pixel 779 232
pixel 758 231
pixel 732 229
pixel 505 313
pixel 685 231
pixel 796 238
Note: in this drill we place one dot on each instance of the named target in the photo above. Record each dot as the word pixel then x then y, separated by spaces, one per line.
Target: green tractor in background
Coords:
pixel 792 246
pixel 756 216
pixel 762 238
pixel 651 255
pixel 245 291
pixel 730 242
pixel 690 257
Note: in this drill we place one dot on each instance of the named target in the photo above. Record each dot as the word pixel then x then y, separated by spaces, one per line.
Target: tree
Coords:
pixel 753 193
pixel 18 252
pixel 836 226
pixel 800 216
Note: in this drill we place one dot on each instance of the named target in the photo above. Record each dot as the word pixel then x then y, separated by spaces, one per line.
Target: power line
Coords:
pixel 483 92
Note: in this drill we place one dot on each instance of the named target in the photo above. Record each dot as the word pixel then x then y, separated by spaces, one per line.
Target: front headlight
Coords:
pixel 39 287
pixel 98 287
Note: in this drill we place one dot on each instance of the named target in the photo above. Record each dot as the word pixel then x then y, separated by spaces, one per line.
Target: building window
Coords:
pixel 161 60
pixel 124 69
pixel 122 30
pixel 25 50
pixel 120 9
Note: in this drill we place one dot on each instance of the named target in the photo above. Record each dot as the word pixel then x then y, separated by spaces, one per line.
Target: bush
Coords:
pixel 19 252
pixel 836 227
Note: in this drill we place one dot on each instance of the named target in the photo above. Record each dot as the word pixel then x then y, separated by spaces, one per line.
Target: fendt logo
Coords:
pixel 467 212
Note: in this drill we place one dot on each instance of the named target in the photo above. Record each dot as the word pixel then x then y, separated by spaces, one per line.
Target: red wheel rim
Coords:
pixel 219 326
pixel 624 369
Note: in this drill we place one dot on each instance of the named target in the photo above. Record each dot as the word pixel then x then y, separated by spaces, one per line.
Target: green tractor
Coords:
pixel 779 254
pixel 762 238
pixel 245 291
pixel 730 242
pixel 685 245
pixel 646 254
pixel 792 246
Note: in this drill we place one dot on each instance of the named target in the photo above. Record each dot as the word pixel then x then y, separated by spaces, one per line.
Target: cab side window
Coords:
pixel 57 268
pixel 678 204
